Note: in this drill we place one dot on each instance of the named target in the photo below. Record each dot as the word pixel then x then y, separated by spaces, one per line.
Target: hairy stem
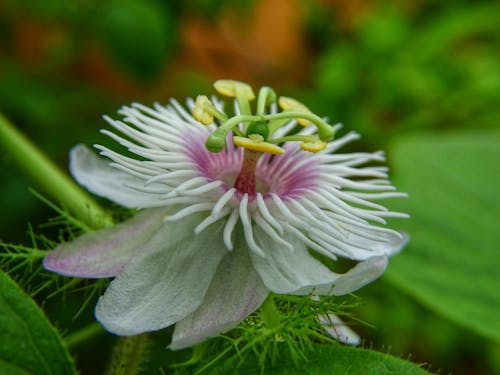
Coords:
pixel 128 355
pixel 50 178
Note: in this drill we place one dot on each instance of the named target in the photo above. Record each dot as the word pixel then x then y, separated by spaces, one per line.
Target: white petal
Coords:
pixel 104 253
pixel 360 275
pixel 166 282
pixel 339 330
pixel 234 293
pixel 284 271
pixel 101 179
pixel 357 277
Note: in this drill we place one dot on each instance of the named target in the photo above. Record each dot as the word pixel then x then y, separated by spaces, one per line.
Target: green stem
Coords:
pixel 270 313
pixel 83 335
pixel 128 356
pixel 50 178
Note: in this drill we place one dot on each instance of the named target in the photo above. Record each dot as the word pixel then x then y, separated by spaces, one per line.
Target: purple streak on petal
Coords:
pixel 104 253
pixel 234 293
pixel 164 283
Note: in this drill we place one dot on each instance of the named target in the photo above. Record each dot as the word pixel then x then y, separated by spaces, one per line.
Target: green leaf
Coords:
pixel 452 263
pixel 29 344
pixel 338 360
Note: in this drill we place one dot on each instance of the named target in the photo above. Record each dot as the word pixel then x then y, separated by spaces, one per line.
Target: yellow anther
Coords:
pixel 200 112
pixel 313 146
pixel 229 88
pixel 255 142
pixel 290 104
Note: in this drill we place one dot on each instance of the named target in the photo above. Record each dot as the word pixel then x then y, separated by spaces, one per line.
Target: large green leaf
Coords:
pixel 332 360
pixel 452 264
pixel 28 343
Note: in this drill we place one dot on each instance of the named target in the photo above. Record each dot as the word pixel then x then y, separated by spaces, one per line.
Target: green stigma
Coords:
pixel 258 127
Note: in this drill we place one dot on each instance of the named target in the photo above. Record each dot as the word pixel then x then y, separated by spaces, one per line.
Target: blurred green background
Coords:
pixel 385 69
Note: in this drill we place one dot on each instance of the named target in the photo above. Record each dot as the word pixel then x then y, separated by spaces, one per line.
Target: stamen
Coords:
pixel 255 142
pixel 204 111
pixel 290 104
pixel 229 88
pixel 201 112
pixel 239 90
pixel 314 146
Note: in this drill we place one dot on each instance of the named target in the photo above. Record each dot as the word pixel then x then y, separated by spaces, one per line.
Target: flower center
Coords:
pixel 255 130
pixel 245 182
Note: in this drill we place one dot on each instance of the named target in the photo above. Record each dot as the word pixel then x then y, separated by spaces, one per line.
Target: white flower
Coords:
pixel 228 213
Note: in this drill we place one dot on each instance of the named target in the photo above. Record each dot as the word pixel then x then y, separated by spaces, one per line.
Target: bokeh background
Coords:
pixel 382 68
